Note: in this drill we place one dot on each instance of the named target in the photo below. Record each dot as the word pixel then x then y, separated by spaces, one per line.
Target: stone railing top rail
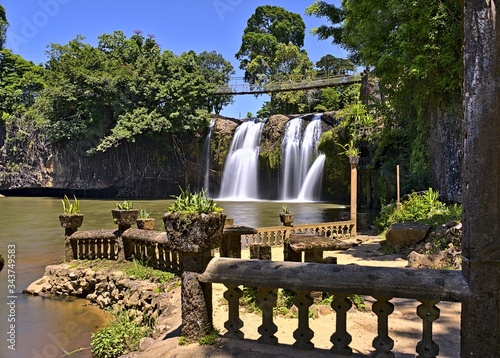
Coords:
pixel 420 284
pixel 95 234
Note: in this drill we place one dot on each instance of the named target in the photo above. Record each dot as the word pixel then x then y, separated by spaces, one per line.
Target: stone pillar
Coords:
pixel 193 237
pixel 480 329
pixel 354 186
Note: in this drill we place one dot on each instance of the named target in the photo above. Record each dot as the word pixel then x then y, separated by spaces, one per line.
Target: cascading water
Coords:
pixel 291 157
pixel 299 152
pixel 311 189
pixel 206 156
pixel 239 178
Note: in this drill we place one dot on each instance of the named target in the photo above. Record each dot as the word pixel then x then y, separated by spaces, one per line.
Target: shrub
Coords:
pixel 193 203
pixel 118 338
pixel 70 208
pixel 126 205
pixel 418 207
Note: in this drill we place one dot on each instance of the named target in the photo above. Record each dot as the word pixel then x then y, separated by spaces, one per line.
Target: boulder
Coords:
pixel 433 261
pixel 406 234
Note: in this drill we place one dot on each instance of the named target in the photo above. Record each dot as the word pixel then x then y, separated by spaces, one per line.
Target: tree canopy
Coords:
pixel 123 88
pixel 3 27
pixel 268 27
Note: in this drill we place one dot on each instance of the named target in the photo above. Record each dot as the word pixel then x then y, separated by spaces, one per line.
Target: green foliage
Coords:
pixel 126 205
pixel 193 203
pixel 212 334
pixel 285 209
pixel 122 336
pixel 183 341
pixel 249 299
pixel 143 271
pixel 69 207
pixel 4 24
pixel 350 149
pixel 266 28
pixel 418 207
pixel 120 90
pixel 414 50
pixel 144 214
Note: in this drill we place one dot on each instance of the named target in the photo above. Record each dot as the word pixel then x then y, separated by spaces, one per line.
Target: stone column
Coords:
pixel 193 236
pixel 480 329
pixel 354 191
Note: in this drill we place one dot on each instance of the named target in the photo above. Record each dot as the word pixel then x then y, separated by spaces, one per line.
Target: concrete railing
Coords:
pixel 427 286
pixel 277 235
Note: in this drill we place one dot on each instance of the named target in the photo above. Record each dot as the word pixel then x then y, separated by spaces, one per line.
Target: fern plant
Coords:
pixel 193 203
pixel 70 208
pixel 126 205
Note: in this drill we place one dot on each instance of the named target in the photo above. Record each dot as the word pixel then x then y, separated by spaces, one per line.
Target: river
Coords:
pixel 29 229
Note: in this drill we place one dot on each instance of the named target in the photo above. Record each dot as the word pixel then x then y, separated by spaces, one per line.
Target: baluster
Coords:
pixel 86 253
pixel 80 249
pixel 267 298
pixel 112 254
pixel 303 334
pixel 234 323
pixel 105 249
pixel 151 254
pixel 428 312
pixel 383 344
pixel 161 256
pixel 92 249
pixel 99 248
pixel 341 338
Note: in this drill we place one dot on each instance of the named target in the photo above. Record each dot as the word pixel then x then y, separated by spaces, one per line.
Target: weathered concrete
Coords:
pixel 424 284
pixel 481 178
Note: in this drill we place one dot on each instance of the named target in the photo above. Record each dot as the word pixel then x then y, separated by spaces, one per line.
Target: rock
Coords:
pixel 145 343
pixel 406 234
pixel 39 287
pixel 434 261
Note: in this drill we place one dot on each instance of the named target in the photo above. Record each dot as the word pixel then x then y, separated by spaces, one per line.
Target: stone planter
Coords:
pixel 146 224
pixel 71 221
pixel 287 219
pixel 125 217
pixel 194 232
pixel 354 159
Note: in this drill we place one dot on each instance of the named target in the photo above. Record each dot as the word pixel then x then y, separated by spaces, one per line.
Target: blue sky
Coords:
pixel 179 26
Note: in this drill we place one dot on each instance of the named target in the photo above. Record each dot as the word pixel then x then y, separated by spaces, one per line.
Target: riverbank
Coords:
pixel 404 324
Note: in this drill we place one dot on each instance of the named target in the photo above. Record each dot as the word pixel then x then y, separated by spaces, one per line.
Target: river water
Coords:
pixel 29 229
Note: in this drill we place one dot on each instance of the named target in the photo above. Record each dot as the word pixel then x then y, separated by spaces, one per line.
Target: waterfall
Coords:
pixel 239 178
pixel 291 157
pixel 299 151
pixel 206 156
pixel 311 188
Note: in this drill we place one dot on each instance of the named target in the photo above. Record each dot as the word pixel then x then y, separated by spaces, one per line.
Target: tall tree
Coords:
pixel 217 71
pixel 266 28
pixel 119 90
pixel 3 27
pixel 330 65
pixel 414 49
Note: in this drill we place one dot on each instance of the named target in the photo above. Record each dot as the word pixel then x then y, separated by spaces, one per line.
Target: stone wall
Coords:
pixel 111 289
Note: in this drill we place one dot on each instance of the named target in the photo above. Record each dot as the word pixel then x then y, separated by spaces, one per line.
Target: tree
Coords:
pixel 217 71
pixel 122 89
pixel 4 24
pixel 330 65
pixel 266 28
pixel 414 49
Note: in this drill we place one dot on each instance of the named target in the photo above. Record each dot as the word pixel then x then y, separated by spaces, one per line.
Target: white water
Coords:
pixel 206 156
pixel 311 188
pixel 291 158
pixel 239 179
pixel 299 152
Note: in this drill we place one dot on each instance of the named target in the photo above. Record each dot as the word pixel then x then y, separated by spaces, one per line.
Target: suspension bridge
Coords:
pixel 237 86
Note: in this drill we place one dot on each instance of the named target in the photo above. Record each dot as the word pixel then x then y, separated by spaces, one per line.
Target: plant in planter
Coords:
pixel 125 215
pixel 286 217
pixel 194 223
pixel 145 221
pixel 71 217
pixel 351 151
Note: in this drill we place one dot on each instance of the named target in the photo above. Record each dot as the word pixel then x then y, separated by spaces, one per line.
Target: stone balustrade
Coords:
pixel 427 286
